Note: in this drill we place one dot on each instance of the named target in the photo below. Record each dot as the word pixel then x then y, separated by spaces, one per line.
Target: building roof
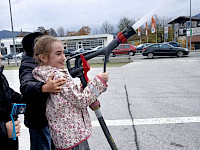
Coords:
pixel 184 19
pixel 85 37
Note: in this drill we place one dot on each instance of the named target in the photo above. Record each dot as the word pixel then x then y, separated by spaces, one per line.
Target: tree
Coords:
pixel 52 32
pixel 41 30
pixel 61 31
pixel 95 31
pixel 107 27
pixel 71 33
pixel 124 22
pixel 85 30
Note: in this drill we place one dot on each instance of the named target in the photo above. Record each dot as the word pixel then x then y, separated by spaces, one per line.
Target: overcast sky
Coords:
pixel 73 14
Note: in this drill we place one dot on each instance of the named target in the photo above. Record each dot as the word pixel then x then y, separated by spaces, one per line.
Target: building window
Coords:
pixel 3 50
pixel 198 23
pixel 92 43
pixel 18 48
pixel 70 45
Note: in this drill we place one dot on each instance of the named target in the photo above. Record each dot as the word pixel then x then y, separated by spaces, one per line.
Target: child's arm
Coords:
pixel 72 93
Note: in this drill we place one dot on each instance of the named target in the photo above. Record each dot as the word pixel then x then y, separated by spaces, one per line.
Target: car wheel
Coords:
pixel 112 54
pixel 150 55
pixel 179 53
pixel 131 53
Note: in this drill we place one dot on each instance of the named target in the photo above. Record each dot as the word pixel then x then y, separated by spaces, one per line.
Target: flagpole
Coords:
pixel 190 26
pixel 147 32
pixel 156 32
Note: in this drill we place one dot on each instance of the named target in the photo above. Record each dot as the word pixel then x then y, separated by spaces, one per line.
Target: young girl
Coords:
pixel 68 118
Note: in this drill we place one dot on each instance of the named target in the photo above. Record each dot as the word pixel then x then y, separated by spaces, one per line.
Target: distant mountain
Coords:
pixel 8 34
pixel 198 15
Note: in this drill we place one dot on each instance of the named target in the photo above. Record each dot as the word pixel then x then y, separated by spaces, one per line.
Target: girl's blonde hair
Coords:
pixel 43 46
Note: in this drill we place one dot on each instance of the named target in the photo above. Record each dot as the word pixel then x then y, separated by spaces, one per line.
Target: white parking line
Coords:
pixel 149 121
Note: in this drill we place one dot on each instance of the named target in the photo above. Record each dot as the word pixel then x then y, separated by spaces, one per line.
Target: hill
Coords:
pixel 197 15
pixel 8 34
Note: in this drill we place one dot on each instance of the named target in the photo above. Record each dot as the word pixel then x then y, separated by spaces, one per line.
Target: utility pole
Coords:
pixel 174 32
pixel 190 26
pixel 187 34
pixel 13 36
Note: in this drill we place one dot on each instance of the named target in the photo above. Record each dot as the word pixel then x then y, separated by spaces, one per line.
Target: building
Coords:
pixel 182 30
pixel 70 42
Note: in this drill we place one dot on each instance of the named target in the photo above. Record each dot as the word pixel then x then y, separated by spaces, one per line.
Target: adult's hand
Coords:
pixel 9 126
pixel 53 86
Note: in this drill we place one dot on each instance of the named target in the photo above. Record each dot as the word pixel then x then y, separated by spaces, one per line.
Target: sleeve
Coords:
pixel 29 86
pixel 16 97
pixel 3 131
pixel 73 94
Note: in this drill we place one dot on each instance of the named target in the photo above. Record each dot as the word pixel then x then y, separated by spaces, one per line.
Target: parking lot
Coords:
pixel 150 104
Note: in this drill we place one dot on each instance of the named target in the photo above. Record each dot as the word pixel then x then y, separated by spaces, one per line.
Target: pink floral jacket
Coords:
pixel 67 113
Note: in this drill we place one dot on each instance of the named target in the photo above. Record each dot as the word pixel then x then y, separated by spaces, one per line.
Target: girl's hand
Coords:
pixel 104 76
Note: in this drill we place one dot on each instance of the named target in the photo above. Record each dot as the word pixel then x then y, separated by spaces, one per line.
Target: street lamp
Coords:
pixel 13 34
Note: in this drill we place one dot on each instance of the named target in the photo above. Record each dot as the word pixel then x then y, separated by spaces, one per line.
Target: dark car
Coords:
pixel 70 52
pixel 124 49
pixel 140 47
pixel 98 48
pixel 7 56
pixel 160 49
pixel 175 44
pixel 87 49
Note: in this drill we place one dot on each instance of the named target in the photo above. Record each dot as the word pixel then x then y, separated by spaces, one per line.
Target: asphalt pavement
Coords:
pixel 150 104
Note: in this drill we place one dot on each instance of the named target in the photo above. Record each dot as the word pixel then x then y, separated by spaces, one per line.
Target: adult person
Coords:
pixel 7 97
pixel 35 94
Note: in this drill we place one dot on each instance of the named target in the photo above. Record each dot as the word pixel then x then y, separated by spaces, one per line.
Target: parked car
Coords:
pixel 124 49
pixel 98 47
pixel 70 52
pixel 83 50
pixel 141 46
pixel 80 50
pixel 175 44
pixel 87 49
pixel 18 55
pixel 7 56
pixel 161 49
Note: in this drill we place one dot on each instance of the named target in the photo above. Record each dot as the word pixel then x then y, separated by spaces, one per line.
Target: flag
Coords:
pixel 153 25
pixel 139 31
pixel 146 29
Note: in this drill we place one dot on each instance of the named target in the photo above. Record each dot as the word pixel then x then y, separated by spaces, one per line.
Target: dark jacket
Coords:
pixel 7 97
pixel 31 89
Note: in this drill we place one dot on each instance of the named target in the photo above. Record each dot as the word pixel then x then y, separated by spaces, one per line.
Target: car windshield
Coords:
pixel 140 45
pixel 70 50
pixel 155 45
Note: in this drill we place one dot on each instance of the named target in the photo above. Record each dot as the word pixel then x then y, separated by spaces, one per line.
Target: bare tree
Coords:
pixel 95 31
pixel 124 22
pixel 61 31
pixel 107 27
pixel 41 29
pixel 52 32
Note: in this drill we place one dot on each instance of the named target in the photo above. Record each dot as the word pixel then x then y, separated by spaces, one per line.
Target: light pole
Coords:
pixel 13 36
pixel 190 26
